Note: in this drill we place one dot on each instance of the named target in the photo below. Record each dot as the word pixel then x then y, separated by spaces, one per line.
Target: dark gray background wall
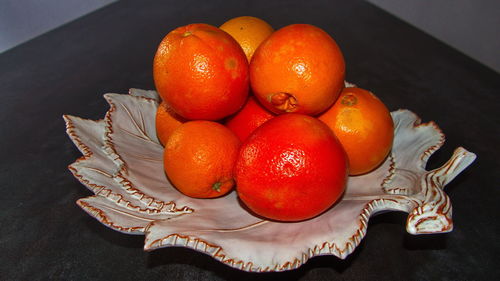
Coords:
pixel 471 26
pixel 22 20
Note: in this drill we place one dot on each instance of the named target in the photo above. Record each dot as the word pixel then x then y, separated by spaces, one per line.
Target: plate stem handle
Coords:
pixel 433 214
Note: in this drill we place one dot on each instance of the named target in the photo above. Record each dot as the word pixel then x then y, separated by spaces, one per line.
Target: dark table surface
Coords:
pixel 45 236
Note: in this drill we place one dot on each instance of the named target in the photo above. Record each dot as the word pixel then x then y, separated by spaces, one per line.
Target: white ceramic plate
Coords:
pixel 122 165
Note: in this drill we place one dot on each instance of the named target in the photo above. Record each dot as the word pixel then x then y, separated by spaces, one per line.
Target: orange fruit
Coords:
pixel 291 168
pixel 166 122
pixel 364 126
pixel 199 158
pixel 249 118
pixel 248 31
pixel 299 68
pixel 201 72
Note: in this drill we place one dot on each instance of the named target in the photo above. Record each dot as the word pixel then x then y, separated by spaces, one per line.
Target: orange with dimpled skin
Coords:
pixel 364 126
pixel 166 121
pixel 199 158
pixel 201 72
pixel 249 118
pixel 291 168
pixel 299 68
pixel 248 31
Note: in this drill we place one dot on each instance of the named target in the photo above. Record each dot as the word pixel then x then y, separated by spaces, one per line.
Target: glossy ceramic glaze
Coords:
pixel 122 165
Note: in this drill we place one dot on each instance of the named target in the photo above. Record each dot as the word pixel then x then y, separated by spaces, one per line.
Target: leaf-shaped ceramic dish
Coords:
pixel 122 165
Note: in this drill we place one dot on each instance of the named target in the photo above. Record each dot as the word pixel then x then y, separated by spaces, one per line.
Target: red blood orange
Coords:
pixel 249 118
pixel 291 168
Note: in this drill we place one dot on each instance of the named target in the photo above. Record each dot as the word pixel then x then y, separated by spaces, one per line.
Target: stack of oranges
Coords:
pixel 266 111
